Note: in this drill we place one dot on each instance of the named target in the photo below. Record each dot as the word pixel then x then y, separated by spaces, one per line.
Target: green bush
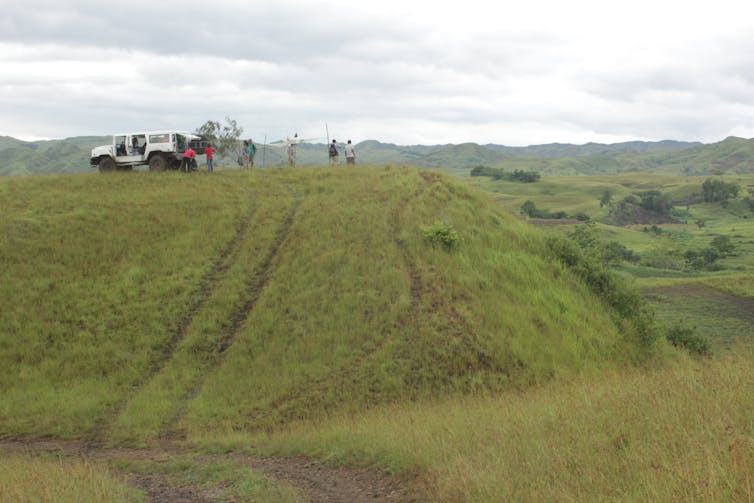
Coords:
pixel 687 338
pixel 704 259
pixel 608 286
pixel 524 176
pixel 723 245
pixel 719 191
pixel 442 234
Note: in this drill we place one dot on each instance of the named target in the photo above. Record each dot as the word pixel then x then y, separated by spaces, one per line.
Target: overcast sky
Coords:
pixel 512 73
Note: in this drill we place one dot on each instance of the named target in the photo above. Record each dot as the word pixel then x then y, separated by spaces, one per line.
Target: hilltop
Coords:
pixel 149 305
pixel 734 155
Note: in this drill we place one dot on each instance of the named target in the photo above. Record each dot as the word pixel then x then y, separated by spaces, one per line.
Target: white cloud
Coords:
pixel 406 72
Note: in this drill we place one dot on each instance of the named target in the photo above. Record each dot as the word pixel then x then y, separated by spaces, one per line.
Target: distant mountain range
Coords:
pixel 734 155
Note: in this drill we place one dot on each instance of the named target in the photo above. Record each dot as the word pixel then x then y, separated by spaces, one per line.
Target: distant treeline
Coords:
pixel 517 175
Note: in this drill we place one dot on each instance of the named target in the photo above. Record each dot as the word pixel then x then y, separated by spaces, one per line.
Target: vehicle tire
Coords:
pixel 106 165
pixel 157 163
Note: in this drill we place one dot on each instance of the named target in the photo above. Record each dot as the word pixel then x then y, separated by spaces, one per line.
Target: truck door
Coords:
pixel 119 146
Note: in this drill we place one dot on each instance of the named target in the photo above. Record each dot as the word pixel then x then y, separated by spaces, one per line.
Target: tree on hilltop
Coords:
pixel 225 138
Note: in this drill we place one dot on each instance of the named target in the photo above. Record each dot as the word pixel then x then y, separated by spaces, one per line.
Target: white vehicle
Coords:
pixel 160 150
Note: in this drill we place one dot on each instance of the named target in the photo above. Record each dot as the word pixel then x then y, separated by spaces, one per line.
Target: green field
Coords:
pixel 291 312
pixel 698 298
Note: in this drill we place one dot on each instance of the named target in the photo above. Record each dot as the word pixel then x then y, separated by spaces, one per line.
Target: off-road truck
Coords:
pixel 160 150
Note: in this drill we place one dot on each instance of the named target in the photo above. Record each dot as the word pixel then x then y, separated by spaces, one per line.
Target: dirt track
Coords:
pixel 318 482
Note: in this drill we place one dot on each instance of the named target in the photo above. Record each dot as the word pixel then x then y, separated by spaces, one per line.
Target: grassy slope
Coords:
pixel 680 433
pixel 236 302
pixel 98 273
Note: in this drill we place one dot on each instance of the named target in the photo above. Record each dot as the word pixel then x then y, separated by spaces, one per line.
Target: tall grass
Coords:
pixel 681 433
pixel 360 309
pixel 26 479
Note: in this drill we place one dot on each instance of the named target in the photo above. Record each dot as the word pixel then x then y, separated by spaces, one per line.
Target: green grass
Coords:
pixel 582 194
pixel 27 479
pixel 98 273
pixel 680 433
pixel 720 308
pixel 147 305
pixel 238 310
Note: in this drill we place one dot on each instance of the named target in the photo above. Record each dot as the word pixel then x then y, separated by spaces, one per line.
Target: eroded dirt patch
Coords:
pixel 332 485
pixel 320 483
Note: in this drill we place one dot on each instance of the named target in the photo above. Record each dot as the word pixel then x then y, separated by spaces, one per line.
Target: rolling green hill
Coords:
pixel 734 155
pixel 147 305
pixel 377 317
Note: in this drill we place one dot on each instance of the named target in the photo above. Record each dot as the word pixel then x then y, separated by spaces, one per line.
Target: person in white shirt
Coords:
pixel 350 153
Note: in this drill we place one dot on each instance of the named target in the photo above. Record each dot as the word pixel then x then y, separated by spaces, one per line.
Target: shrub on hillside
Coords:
pixel 441 234
pixel 750 203
pixel 650 206
pixel 520 175
pixel 718 190
pixel 608 286
pixel 608 253
pixel 723 245
pixel 704 259
pixel 663 257
pixel 480 170
pixel 687 338
pixel 529 208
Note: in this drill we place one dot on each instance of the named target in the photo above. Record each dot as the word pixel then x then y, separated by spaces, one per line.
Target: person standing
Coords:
pixel 210 153
pixel 350 153
pixel 188 158
pixel 249 150
pixel 252 152
pixel 333 153
pixel 291 155
pixel 245 154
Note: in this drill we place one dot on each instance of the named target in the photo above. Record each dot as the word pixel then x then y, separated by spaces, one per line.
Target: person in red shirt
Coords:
pixel 210 153
pixel 188 158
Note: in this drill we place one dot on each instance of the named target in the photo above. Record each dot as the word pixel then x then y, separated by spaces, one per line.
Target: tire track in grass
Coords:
pixel 417 289
pixel 206 284
pixel 417 286
pixel 428 298
pixel 253 291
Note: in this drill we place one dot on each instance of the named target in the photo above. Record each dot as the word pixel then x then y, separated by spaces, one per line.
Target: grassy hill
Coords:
pixel 146 305
pixel 307 312
pixel 70 155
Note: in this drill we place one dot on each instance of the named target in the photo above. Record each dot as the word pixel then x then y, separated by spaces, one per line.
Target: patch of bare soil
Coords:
pixel 332 485
pixel 321 484
pixel 158 489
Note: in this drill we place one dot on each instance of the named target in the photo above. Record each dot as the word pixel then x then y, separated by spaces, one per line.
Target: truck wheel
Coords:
pixel 106 165
pixel 157 163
